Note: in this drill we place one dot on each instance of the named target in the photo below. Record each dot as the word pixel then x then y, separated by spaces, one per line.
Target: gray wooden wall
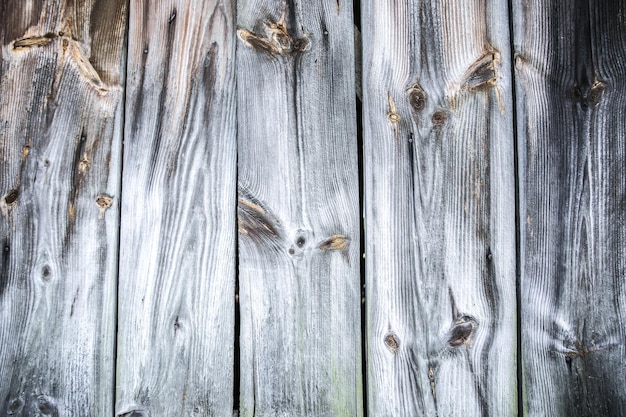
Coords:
pixel 292 208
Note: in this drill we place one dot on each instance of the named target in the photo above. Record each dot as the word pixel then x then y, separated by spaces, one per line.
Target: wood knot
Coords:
pixel 134 413
pixel 417 97
pixel 46 405
pixel 10 198
pixel 439 118
pixel 335 242
pixel 277 39
pixel 578 351
pixel 46 273
pixel 392 114
pixel 34 41
pixel 255 221
pixel 15 406
pixel 595 93
pixel 461 331
pixel 103 201
pixel 392 342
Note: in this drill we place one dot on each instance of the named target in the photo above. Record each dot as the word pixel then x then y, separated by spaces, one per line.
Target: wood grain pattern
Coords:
pixel 298 210
pixel 571 72
pixel 439 208
pixel 60 136
pixel 177 260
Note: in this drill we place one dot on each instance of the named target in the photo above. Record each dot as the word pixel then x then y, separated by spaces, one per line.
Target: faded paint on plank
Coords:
pixel 439 208
pixel 298 210
pixel 60 137
pixel 571 73
pixel 177 262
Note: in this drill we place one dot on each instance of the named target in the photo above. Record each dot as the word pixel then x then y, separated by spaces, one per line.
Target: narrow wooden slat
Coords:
pixel 177 259
pixel 571 73
pixel 61 107
pixel 439 209
pixel 298 210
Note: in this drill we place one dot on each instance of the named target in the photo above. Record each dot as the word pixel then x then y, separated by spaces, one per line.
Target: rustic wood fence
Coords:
pixel 199 217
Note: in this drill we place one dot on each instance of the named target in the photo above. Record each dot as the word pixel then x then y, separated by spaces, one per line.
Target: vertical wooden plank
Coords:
pixel 571 73
pixel 298 210
pixel 439 208
pixel 61 73
pixel 177 261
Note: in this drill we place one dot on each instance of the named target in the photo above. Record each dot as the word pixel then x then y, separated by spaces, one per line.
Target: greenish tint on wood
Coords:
pixel 571 72
pixel 177 259
pixel 439 208
pixel 61 105
pixel 298 210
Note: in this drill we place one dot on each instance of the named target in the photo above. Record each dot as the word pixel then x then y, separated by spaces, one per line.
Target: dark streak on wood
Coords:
pixel 165 82
pixel 5 266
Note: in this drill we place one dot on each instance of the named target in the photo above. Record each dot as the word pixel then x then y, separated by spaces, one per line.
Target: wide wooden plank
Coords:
pixel 571 73
pixel 61 108
pixel 177 260
pixel 298 210
pixel 439 209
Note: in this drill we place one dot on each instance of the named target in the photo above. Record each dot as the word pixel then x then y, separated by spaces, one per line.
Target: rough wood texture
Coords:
pixel 571 72
pixel 177 260
pixel 439 208
pixel 298 210
pixel 60 136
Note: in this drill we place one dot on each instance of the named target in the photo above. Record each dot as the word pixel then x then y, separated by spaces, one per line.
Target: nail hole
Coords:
pixel 300 241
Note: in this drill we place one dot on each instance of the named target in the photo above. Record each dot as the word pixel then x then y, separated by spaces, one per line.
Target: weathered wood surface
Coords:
pixel 439 209
pixel 571 72
pixel 60 137
pixel 298 210
pixel 177 259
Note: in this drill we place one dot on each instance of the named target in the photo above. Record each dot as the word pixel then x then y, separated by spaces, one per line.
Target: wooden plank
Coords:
pixel 177 261
pixel 439 208
pixel 61 108
pixel 571 72
pixel 298 210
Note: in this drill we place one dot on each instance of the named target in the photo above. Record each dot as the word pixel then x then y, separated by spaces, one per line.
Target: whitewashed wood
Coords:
pixel 439 209
pixel 298 210
pixel 177 260
pixel 60 136
pixel 571 73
